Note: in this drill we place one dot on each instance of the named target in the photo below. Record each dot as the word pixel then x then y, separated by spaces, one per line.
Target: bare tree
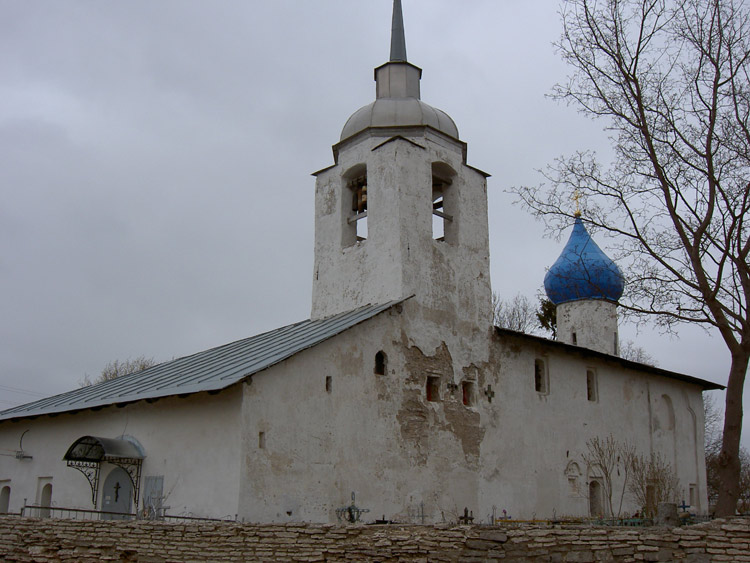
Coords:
pixel 612 458
pixel 671 79
pixel 515 314
pixel 631 351
pixel 118 368
pixel 712 433
pixel 653 481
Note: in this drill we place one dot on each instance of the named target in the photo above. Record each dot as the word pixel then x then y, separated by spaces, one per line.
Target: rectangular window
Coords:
pixel 468 393
pixel 616 345
pixel 540 376
pixel 261 440
pixel 574 339
pixel 694 496
pixel 153 495
pixel 381 361
pixel 592 392
pixel 433 388
pixel 329 383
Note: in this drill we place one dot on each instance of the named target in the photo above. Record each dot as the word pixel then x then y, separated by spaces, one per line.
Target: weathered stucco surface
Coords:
pixel 591 323
pixel 193 442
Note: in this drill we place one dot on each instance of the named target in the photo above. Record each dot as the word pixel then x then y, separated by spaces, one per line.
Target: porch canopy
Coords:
pixel 88 452
pixel 95 449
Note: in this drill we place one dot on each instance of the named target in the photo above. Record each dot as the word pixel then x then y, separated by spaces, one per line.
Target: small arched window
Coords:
pixel 45 502
pixel 4 499
pixel 381 363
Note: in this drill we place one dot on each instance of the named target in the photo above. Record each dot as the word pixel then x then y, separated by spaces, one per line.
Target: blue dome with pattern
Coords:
pixel 583 271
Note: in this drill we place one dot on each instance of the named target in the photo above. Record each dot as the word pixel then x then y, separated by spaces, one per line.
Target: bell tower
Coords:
pixel 401 213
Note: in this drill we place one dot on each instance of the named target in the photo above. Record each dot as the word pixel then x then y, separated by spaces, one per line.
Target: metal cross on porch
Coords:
pixel 684 506
pixel 489 393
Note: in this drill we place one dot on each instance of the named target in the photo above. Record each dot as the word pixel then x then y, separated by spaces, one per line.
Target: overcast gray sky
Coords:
pixel 155 161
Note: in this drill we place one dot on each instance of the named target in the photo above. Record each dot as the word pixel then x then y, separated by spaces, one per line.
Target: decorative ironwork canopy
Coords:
pixel 88 452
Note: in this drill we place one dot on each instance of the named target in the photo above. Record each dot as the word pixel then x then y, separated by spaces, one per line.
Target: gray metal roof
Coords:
pixel 210 370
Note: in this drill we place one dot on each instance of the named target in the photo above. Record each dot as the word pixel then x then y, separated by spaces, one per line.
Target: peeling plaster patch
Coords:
pixel 471 372
pixel 415 416
pixel 418 364
pixel 412 417
pixel 464 423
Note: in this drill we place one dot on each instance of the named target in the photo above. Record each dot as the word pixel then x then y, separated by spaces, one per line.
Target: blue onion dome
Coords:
pixel 583 271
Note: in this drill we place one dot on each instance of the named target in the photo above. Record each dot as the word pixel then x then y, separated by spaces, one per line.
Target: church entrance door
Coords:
pixel 117 494
pixel 595 499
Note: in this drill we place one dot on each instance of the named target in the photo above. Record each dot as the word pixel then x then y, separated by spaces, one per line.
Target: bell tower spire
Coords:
pixel 398 38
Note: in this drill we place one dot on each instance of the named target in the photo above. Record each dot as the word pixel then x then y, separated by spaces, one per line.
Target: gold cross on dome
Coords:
pixel 577 199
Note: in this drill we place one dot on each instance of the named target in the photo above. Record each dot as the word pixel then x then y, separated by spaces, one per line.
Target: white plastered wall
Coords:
pixel 193 442
pixel 403 456
pixel 592 321
pixel 531 437
pixel 374 435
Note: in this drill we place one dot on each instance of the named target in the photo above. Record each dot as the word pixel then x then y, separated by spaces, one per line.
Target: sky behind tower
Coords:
pixel 155 162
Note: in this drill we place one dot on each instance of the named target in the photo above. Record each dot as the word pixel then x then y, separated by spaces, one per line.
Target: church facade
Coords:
pixel 397 397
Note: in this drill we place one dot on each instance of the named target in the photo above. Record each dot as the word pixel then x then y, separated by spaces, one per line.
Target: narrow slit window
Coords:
pixel 329 383
pixel 358 218
pixel 540 376
pixel 468 393
pixel 354 205
pixel 574 339
pixel 261 440
pixel 381 363
pixel 438 215
pixel 592 392
pixel 443 198
pixel 433 388
pixel 616 347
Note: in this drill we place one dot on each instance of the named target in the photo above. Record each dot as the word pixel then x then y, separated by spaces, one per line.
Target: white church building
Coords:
pixel 398 389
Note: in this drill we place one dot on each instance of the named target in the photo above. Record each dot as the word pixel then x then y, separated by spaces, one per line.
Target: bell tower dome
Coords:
pixel 400 213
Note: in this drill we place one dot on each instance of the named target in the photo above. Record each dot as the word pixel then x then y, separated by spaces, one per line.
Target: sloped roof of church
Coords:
pixel 583 271
pixel 210 370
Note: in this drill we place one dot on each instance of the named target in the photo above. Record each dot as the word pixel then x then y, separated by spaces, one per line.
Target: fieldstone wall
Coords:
pixel 31 539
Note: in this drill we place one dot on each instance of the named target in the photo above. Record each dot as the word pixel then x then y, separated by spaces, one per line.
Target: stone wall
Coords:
pixel 30 539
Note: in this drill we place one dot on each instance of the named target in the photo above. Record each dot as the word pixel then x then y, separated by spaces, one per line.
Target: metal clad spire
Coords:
pixel 398 38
